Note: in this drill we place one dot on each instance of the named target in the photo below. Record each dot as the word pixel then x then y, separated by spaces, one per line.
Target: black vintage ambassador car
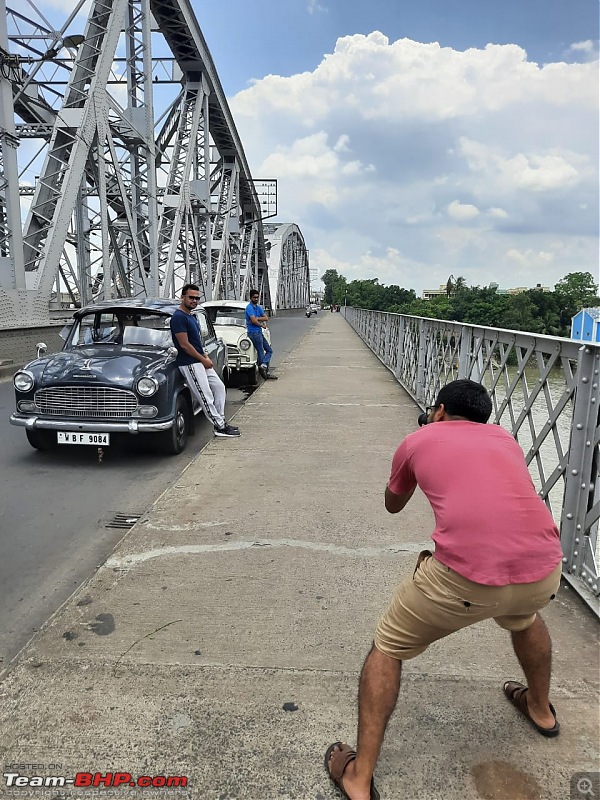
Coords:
pixel 116 374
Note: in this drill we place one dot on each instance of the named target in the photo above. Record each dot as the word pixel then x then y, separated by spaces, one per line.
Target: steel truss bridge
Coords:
pixel 117 142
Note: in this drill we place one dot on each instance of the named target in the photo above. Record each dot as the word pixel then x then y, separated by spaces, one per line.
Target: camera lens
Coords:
pixel 422 420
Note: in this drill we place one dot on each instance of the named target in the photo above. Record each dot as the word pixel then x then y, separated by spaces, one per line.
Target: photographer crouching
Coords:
pixel 497 555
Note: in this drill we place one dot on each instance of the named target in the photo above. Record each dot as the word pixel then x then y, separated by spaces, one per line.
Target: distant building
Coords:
pixel 585 325
pixel 429 294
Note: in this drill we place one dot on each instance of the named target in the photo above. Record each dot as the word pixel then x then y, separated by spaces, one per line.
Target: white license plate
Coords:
pixel 72 437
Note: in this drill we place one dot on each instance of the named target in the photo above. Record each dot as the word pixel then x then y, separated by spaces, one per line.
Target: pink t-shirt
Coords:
pixel 491 525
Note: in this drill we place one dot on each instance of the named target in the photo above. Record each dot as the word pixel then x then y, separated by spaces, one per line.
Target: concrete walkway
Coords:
pixel 223 639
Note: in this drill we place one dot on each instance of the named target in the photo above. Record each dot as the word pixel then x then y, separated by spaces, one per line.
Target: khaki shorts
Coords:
pixel 437 601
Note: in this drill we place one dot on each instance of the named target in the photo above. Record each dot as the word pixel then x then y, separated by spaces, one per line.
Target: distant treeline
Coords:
pixel 533 310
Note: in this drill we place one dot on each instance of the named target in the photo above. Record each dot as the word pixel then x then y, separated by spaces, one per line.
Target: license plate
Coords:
pixel 72 437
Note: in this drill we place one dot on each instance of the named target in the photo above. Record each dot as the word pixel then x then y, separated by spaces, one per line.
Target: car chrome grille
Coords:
pixel 86 401
pixel 232 350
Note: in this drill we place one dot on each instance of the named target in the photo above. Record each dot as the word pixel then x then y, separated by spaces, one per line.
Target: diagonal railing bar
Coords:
pixel 522 359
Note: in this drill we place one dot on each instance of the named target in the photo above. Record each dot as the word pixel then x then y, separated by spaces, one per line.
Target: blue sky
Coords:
pixel 415 139
pixel 283 37
pixel 407 160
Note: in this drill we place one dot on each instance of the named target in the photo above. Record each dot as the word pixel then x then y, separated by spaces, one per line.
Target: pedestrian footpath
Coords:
pixel 222 640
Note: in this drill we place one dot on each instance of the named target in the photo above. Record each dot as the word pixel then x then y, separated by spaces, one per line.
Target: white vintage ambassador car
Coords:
pixel 229 320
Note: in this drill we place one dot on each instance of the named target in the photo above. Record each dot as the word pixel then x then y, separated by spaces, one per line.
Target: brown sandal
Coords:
pixel 336 766
pixel 516 693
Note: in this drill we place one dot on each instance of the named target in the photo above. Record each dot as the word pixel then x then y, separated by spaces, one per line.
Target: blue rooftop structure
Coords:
pixel 585 325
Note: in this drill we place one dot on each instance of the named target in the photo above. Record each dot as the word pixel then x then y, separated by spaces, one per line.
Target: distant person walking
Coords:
pixel 195 366
pixel 256 323
pixel 497 555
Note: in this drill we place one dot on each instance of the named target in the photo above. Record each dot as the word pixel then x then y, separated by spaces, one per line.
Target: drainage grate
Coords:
pixel 123 520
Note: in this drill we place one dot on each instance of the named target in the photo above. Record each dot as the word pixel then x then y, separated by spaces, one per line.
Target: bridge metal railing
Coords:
pixel 545 391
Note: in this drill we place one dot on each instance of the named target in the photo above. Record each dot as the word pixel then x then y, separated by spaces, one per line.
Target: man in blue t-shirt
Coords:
pixel 256 322
pixel 195 366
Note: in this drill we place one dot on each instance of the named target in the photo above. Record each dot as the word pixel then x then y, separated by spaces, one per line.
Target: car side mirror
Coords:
pixel 172 353
pixel 42 348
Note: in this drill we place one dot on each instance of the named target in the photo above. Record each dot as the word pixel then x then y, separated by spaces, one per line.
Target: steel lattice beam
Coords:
pixel 141 180
pixel 288 265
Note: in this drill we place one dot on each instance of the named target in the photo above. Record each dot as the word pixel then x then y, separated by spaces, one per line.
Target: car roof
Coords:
pixel 156 305
pixel 225 303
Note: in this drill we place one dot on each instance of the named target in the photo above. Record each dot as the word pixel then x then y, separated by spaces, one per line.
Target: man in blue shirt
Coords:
pixel 195 366
pixel 256 322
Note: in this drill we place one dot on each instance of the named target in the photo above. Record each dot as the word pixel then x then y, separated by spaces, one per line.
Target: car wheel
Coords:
pixel 253 376
pixel 41 440
pixel 175 439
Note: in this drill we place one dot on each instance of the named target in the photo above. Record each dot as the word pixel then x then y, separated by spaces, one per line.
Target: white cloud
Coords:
pixel 409 161
pixel 530 258
pixel 534 171
pixel 462 212
pixel 586 47
pixel 315 7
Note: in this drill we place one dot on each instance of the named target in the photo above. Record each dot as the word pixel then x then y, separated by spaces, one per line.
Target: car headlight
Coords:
pixel 23 381
pixel 147 387
pixel 245 344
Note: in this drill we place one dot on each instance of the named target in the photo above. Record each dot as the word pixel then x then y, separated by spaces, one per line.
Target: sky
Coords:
pixel 413 140
pixel 417 139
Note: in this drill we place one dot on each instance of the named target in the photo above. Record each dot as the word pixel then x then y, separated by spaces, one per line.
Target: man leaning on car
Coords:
pixel 195 366
pixel 256 320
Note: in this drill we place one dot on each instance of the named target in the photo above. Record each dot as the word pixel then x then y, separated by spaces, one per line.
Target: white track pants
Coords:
pixel 209 391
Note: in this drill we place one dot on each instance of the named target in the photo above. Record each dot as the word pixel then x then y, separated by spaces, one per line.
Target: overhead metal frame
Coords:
pixel 289 271
pixel 142 183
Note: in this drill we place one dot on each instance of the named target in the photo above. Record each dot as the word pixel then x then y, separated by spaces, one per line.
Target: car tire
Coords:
pixel 253 376
pixel 175 439
pixel 41 440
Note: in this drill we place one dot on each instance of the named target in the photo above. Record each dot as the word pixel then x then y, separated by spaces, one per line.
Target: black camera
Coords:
pixel 423 418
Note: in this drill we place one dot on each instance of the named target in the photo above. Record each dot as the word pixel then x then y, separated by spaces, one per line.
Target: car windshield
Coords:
pixel 128 328
pixel 229 316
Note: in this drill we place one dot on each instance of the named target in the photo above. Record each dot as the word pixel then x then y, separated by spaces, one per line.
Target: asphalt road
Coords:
pixel 55 506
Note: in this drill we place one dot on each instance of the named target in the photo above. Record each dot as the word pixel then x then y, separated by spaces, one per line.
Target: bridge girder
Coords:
pixel 289 273
pixel 142 180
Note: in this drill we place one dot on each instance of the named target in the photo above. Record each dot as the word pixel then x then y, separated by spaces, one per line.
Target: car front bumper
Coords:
pixel 240 365
pixel 132 426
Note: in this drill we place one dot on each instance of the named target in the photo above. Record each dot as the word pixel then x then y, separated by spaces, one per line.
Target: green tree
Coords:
pixel 575 291
pixel 520 314
pixel 479 306
pixel 367 294
pixel 396 296
pixel 416 308
pixel 335 287
pixel 546 314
